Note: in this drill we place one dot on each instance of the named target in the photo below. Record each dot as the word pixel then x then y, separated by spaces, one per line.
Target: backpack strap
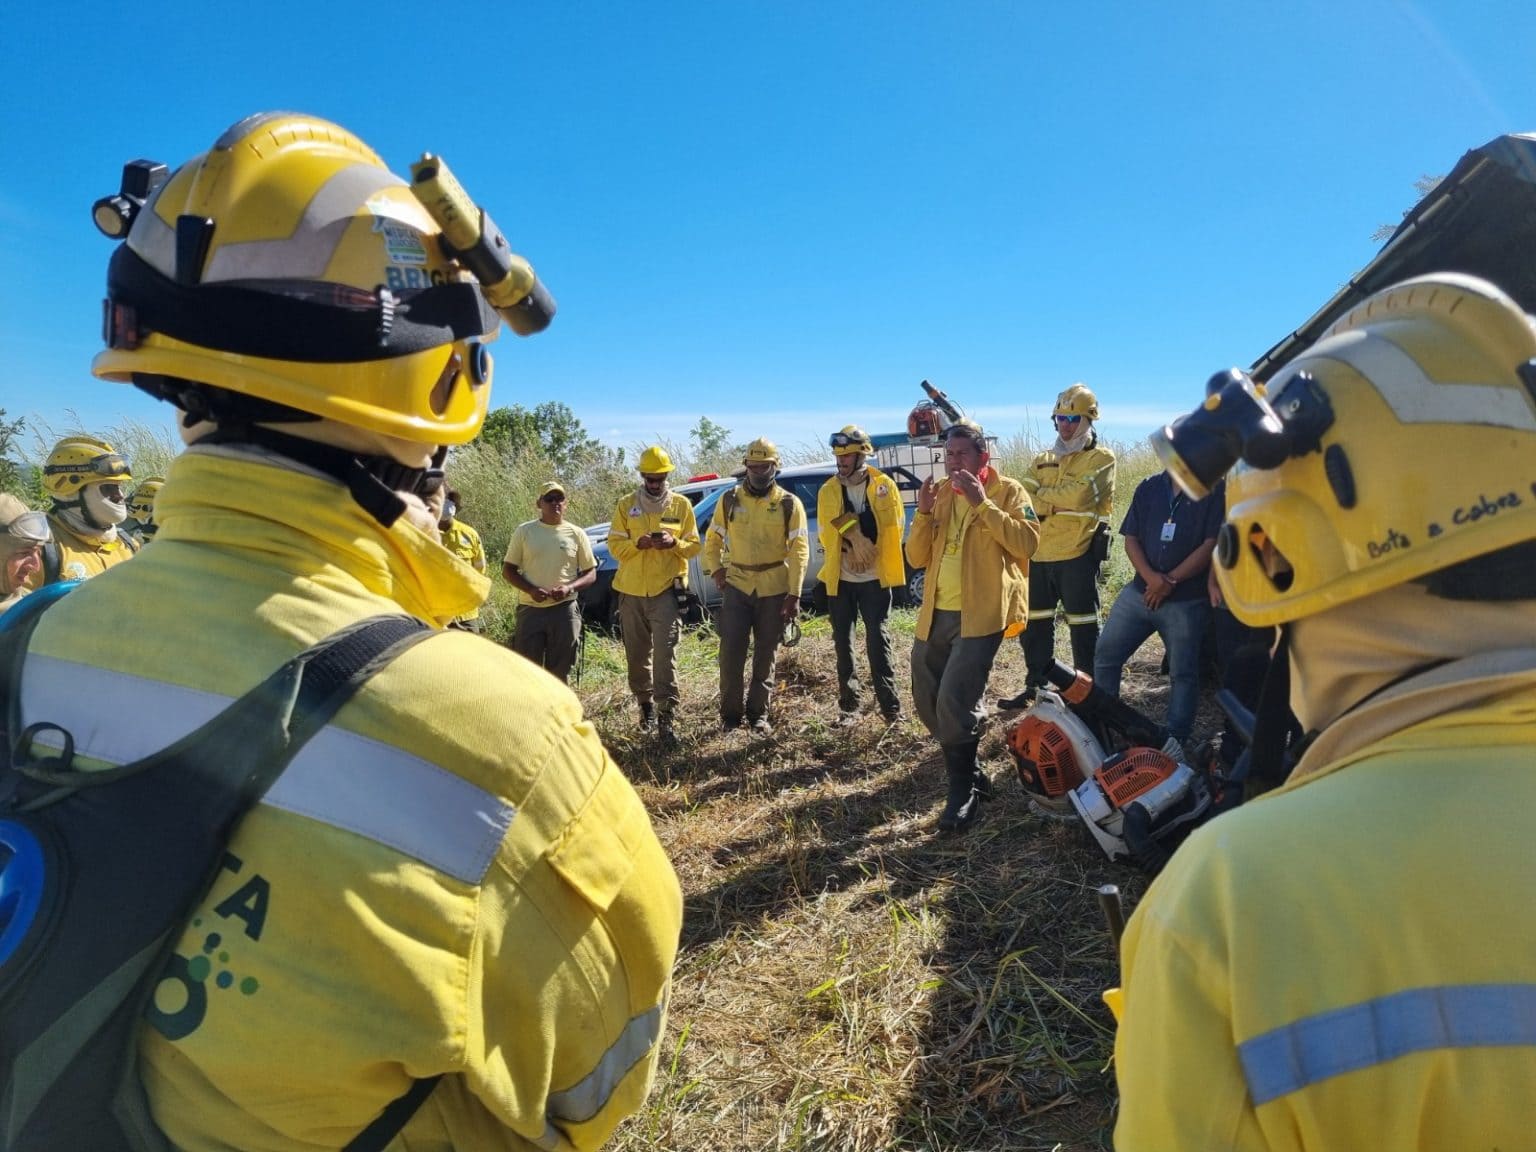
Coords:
pixel 52 562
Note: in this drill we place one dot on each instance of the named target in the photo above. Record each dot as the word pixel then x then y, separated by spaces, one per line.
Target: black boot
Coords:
pixel 647 715
pixel 962 804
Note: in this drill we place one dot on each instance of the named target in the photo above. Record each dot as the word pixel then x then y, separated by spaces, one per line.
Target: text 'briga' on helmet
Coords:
pixel 77 462
pixel 1400 447
pixel 851 440
pixel 288 265
pixel 1078 400
pixel 762 451
pixel 654 461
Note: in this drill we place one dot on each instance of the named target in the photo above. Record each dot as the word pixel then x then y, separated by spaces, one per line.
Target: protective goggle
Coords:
pixel 29 526
pixel 843 440
pixel 109 465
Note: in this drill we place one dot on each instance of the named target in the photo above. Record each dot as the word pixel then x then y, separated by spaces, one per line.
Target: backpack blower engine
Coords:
pixel 1079 749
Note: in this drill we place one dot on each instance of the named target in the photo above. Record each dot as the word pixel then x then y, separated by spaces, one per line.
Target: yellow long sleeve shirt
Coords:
pixel 649 571
pixel 1072 495
pixel 453 877
pixel 1000 537
pixel 890 517
pixel 1347 962
pixel 764 552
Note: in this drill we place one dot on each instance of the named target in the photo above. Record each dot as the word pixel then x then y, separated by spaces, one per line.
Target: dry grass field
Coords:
pixel 848 979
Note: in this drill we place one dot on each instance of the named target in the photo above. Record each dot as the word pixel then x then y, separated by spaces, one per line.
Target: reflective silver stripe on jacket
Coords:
pixel 339 778
pixel 585 1100
pixel 1365 1035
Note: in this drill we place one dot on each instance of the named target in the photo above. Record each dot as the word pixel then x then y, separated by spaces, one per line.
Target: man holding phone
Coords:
pixel 652 536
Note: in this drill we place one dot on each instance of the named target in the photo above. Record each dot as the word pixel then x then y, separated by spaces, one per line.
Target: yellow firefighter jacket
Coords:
pixel 80 558
pixel 464 542
pixel 890 518
pixel 453 877
pixel 1073 495
pixel 764 551
pixel 1349 961
pixel 995 552
pixel 650 571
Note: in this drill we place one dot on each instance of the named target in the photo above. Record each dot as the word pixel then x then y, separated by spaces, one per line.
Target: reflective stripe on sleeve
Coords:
pixel 1365 1035
pixel 339 778
pixel 586 1099
pixel 612 535
pixel 1083 515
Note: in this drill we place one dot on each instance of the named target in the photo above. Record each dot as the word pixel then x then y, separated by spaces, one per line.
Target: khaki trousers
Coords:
pixel 651 630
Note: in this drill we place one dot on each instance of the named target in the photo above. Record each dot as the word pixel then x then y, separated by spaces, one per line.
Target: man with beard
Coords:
pixel 757 552
pixel 86 479
pixel 859 518
pixel 652 535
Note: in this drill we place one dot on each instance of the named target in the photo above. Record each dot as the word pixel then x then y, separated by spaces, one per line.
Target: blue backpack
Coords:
pixel 99 871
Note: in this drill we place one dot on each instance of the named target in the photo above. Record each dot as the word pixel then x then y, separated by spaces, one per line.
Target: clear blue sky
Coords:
pixel 784 215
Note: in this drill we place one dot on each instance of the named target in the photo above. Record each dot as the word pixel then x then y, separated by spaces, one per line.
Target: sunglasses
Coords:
pixel 552 497
pixel 1068 419
pixel 31 526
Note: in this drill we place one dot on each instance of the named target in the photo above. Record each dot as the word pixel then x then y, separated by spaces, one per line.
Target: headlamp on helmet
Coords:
pixel 1237 422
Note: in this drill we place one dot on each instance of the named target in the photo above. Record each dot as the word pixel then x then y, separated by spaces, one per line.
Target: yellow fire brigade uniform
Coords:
pixel 996 546
pixel 1072 495
pixel 464 542
pixel 650 571
pixel 80 557
pixel 890 517
pixel 761 556
pixel 439 883
pixel 1280 1021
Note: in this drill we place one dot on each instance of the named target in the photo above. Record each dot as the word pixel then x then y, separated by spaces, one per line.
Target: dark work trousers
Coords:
pixel 866 599
pixel 549 636
pixel 949 677
pixel 759 618
pixel 1074 584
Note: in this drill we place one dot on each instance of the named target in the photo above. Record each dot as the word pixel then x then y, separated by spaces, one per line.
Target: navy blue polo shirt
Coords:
pixel 1157 502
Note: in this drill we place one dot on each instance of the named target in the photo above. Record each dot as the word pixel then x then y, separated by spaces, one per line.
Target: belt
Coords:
pixel 769 567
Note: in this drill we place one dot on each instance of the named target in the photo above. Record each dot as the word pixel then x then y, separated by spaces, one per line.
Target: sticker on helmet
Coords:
pixel 402 243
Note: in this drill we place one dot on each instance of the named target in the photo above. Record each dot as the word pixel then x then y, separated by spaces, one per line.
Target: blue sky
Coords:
pixel 784 215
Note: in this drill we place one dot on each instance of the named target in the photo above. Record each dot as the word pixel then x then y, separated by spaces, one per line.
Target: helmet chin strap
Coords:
pixel 374 482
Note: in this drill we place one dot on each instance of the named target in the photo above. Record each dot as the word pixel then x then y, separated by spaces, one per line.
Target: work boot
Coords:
pixel 664 729
pixel 761 727
pixel 983 783
pixel 647 715
pixel 962 803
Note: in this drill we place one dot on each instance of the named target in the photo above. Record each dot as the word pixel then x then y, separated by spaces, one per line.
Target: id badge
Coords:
pixel 1168 530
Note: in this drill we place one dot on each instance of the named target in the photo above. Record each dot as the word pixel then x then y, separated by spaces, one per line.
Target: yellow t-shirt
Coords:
pixel 548 554
pixel 949 563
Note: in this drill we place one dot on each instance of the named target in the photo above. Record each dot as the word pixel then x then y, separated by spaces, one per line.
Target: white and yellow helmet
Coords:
pixel 1428 462
pixel 1078 400
pixel 289 265
pixel 77 462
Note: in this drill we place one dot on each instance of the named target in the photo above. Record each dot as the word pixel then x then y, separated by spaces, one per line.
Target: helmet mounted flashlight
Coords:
pixel 114 215
pixel 1237 422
